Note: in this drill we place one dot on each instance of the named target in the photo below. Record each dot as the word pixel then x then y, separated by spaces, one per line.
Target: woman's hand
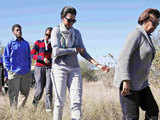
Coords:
pixel 126 88
pixel 103 67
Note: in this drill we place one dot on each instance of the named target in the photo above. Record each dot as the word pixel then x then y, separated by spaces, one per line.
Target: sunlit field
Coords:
pixel 100 102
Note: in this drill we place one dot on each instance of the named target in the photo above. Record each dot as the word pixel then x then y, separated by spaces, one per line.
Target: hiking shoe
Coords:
pixel 35 103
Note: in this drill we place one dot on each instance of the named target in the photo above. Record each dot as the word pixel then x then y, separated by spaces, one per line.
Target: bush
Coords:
pixel 155 69
pixel 88 71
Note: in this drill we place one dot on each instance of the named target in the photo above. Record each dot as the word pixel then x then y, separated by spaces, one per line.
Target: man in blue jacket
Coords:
pixel 17 61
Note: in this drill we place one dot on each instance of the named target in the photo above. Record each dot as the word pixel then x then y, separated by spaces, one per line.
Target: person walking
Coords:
pixel 67 43
pixel 41 52
pixel 132 70
pixel 17 62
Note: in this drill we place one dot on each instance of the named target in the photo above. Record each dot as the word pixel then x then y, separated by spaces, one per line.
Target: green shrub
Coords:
pixel 88 71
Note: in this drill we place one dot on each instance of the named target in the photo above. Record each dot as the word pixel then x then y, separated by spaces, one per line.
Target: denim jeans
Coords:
pixel 43 80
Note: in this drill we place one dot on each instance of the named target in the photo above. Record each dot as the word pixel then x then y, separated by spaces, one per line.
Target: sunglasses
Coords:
pixel 17 30
pixel 70 20
pixel 154 23
pixel 47 34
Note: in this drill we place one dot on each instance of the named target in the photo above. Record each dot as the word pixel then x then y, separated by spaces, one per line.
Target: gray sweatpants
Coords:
pixel 71 79
pixel 43 79
pixel 18 83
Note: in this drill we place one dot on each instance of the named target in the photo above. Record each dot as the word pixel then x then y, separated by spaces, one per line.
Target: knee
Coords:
pixel 39 91
pixel 58 106
pixel 59 103
pixel 48 92
pixel 25 93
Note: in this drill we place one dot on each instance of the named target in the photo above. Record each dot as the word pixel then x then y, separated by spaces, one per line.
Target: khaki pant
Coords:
pixel 18 83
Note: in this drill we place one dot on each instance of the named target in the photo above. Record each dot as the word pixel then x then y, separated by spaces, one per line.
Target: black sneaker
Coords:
pixel 35 103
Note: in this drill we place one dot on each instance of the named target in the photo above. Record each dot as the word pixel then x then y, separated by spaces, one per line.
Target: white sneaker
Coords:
pixel 48 110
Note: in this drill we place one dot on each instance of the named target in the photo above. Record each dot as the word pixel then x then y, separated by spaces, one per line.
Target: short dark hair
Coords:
pixel 146 15
pixel 48 28
pixel 16 25
pixel 68 9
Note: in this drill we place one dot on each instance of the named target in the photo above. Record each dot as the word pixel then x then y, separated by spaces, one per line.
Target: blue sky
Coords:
pixel 104 24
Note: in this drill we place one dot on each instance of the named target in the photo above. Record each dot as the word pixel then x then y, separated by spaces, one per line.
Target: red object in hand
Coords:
pixel 105 68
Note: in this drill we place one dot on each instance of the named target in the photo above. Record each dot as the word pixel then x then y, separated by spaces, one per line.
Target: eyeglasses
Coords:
pixel 154 23
pixel 70 20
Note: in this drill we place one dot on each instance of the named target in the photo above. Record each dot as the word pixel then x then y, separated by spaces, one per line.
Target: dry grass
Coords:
pixel 100 102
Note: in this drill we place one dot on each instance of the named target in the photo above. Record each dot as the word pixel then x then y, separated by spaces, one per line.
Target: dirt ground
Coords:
pixel 2 100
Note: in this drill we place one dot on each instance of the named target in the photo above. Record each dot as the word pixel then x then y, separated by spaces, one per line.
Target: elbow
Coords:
pixel 54 54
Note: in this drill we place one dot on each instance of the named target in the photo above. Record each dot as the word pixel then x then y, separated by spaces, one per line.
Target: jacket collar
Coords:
pixel 43 40
pixel 15 39
pixel 140 28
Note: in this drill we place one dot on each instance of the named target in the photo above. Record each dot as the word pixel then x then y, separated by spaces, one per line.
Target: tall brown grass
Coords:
pixel 100 102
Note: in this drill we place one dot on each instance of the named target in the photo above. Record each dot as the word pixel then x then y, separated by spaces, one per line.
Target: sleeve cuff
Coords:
pixel 124 76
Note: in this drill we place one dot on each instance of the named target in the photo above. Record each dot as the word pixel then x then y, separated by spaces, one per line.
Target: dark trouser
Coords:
pixel 43 79
pixel 130 105
pixel 1 75
pixel 18 83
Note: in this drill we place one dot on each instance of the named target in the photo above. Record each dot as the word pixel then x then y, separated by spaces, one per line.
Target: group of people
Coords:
pixel 57 67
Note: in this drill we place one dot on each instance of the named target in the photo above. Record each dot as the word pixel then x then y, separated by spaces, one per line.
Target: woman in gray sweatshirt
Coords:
pixel 66 42
pixel 132 70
